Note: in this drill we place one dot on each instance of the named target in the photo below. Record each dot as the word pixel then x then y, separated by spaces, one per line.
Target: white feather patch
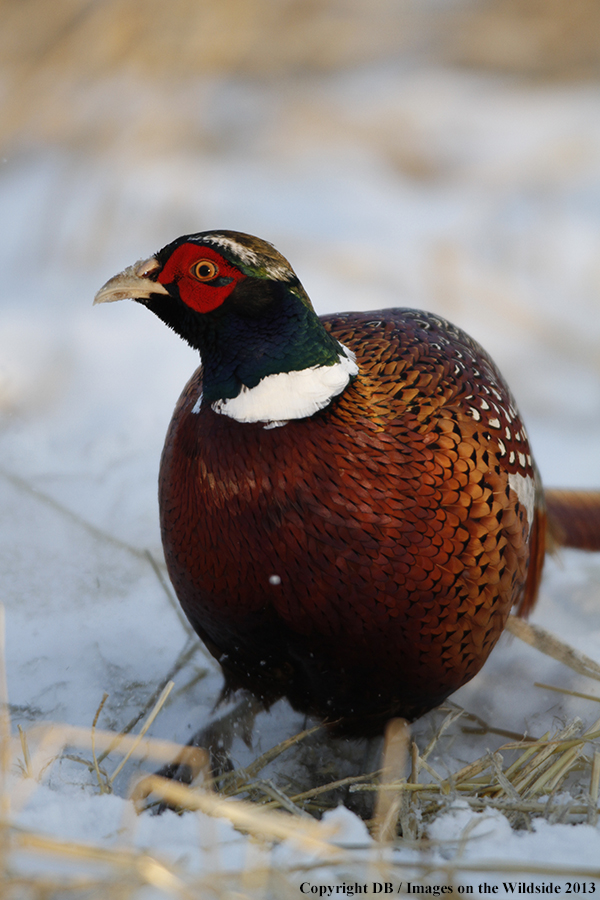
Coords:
pixel 249 257
pixel 290 395
pixel 197 404
pixel 524 488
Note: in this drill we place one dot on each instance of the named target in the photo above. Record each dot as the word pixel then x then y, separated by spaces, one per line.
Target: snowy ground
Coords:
pixel 470 196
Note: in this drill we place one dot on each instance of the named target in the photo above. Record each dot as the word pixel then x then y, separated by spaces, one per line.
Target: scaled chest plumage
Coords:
pixel 363 560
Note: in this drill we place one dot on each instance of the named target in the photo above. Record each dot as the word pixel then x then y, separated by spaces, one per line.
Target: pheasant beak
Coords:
pixel 133 283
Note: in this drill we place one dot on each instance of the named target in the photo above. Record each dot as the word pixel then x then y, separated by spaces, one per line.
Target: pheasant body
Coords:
pixel 362 561
pixel 349 534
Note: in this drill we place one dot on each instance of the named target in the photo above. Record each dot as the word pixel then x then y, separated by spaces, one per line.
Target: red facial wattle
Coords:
pixel 203 277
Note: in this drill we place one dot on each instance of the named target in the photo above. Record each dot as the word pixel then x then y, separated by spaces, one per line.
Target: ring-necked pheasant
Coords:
pixel 349 505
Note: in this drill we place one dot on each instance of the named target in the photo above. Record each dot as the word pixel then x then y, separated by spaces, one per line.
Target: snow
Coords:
pixel 497 228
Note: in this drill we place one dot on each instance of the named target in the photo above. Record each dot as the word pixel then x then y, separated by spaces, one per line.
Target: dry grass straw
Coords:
pixel 58 58
pixel 73 69
pixel 529 785
pixel 539 38
pixel 131 869
pixel 552 646
pixel 409 794
pixel 395 758
pixel 46 743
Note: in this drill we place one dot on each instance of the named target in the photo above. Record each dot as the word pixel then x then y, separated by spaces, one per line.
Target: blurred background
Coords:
pixel 441 154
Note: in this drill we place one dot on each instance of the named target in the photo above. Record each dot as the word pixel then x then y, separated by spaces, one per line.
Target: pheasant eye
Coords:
pixel 204 270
